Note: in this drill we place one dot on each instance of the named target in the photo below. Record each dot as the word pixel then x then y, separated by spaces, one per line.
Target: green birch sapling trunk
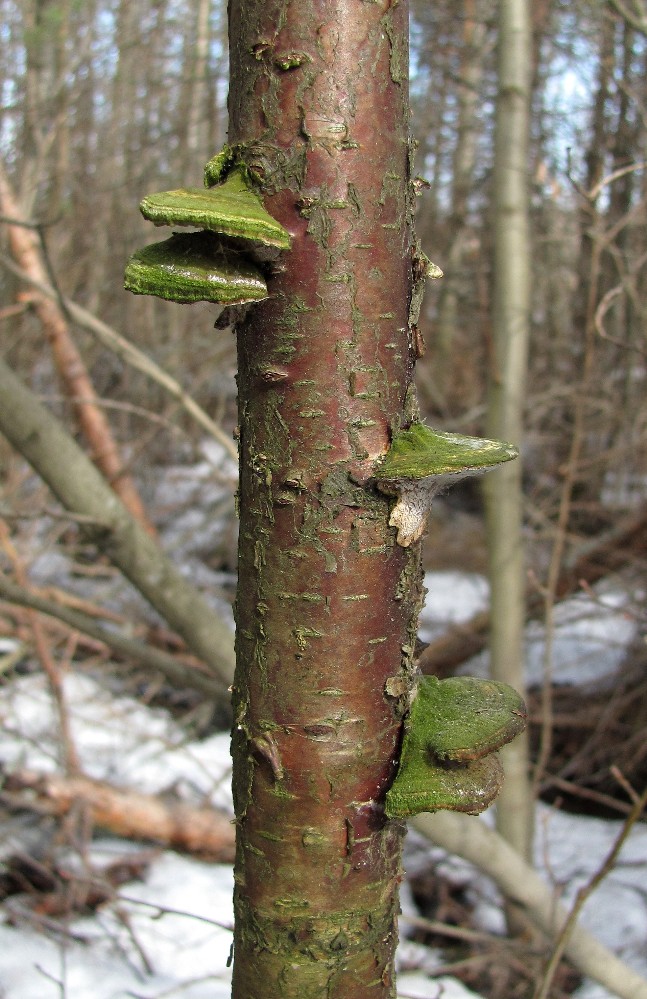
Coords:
pixel 308 214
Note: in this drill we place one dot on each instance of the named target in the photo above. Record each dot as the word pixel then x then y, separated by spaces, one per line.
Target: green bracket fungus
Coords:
pixel 231 208
pixel 194 267
pixel 421 462
pixel 464 718
pixel 209 265
pixel 448 758
pixel 456 787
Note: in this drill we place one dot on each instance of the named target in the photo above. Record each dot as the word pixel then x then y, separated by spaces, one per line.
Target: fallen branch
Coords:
pixel 483 847
pixel 174 671
pixel 202 832
pixel 207 833
pixel 79 486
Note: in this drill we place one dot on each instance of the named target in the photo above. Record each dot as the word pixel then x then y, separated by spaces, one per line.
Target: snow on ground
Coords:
pixel 592 630
pixel 170 934
pixel 161 940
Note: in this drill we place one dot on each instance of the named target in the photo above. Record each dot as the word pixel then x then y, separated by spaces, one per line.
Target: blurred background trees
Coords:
pixel 104 101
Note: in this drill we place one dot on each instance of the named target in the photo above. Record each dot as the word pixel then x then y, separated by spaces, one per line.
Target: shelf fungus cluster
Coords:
pixel 421 462
pixel 448 758
pixel 220 261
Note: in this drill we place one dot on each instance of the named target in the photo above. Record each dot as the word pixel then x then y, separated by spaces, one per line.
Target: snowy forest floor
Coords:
pixel 162 927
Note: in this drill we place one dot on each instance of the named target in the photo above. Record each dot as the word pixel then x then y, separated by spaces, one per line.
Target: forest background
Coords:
pixel 103 102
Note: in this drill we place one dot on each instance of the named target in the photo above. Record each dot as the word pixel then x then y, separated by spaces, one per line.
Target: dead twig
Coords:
pixel 50 667
pixel 584 893
pixel 174 671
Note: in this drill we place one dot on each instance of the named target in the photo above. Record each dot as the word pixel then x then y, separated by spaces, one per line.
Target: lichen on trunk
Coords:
pixel 327 602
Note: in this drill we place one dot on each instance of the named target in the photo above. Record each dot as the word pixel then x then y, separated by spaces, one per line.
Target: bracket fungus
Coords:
pixel 194 267
pixel 219 263
pixel 231 208
pixel 448 758
pixel 421 462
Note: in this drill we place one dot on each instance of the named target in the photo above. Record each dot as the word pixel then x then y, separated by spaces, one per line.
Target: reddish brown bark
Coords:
pixel 71 370
pixel 327 601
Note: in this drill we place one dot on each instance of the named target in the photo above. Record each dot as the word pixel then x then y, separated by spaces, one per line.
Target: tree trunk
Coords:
pixel 511 322
pixel 197 110
pixel 469 89
pixel 327 602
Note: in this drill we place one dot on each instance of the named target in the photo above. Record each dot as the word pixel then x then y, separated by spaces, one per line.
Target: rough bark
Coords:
pixel 74 480
pixel 327 601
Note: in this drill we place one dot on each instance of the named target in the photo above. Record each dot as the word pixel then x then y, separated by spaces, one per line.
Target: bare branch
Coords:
pixel 585 892
pixel 131 355
pixel 46 445
pixel 174 671
pixel 483 847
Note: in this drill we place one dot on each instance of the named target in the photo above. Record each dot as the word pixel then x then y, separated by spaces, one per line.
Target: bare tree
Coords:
pixel 511 326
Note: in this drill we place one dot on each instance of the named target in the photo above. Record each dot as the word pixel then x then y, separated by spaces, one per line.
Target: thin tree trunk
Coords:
pixel 327 601
pixel 511 319
pixel 471 73
pixel 197 109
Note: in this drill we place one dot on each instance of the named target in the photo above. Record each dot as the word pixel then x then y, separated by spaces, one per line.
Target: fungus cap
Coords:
pixel 448 758
pixel 231 208
pixel 420 452
pixel 194 267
